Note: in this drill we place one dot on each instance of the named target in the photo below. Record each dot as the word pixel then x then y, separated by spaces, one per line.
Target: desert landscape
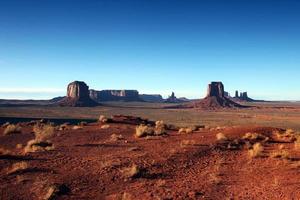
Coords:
pixel 212 148
pixel 149 100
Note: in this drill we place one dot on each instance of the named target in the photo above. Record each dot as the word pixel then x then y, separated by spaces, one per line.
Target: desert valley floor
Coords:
pixel 215 156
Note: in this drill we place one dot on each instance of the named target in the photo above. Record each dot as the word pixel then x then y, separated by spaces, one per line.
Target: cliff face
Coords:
pixel 155 98
pixel 77 95
pixel 115 95
pixel 242 97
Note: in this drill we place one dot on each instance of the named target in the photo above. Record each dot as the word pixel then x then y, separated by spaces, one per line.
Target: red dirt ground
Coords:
pixel 176 166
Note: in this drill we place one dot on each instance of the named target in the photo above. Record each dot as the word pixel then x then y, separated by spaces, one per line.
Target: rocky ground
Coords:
pixel 107 161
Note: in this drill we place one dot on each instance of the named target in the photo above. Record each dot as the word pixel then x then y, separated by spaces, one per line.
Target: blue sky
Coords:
pixel 152 46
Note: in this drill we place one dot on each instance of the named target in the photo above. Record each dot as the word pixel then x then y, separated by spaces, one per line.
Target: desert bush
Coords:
pixel 106 126
pixel 4 151
pixel 41 142
pixel 12 129
pixel 159 128
pixel 5 124
pixel 56 190
pixel 255 137
pixel 102 119
pixel 297 142
pixel 143 130
pixel 18 167
pixel 115 137
pixel 43 132
pixel 132 172
pixel 185 130
pixel 77 127
pixel 280 153
pixel 221 137
pixel 256 151
pixel 185 143
pixel 288 136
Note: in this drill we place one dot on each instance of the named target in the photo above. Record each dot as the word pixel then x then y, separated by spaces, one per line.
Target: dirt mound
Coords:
pixel 216 102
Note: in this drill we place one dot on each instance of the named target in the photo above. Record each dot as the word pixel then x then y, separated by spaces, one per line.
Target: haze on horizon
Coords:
pixel 150 45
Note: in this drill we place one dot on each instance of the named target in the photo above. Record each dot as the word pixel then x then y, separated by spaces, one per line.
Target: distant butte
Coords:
pixel 216 98
pixel 77 96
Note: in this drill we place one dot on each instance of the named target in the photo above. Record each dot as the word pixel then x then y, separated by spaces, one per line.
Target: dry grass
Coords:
pixel 297 143
pixel 18 168
pixel 77 127
pixel 115 137
pixel 10 129
pixel 185 130
pixel 143 130
pixel 185 143
pixel 159 128
pixel 102 119
pixel 256 151
pixel 19 146
pixel 41 142
pixel 43 132
pixel 4 151
pixel 132 172
pixel 106 126
pixel 280 153
pixel 221 137
pixel 288 136
pixel 254 136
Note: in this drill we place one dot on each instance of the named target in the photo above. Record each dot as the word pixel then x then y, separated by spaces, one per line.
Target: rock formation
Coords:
pixel 155 98
pixel 215 98
pixel 77 95
pixel 115 95
pixel 242 97
pixel 236 94
pixel 173 99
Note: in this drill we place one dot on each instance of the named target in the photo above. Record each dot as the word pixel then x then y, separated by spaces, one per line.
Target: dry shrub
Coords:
pixel 256 151
pixel 41 142
pixel 143 130
pixel 18 167
pixel 159 128
pixel 56 190
pixel 288 135
pixel 5 124
pixel 43 132
pixel 12 129
pixel 106 126
pixel 253 136
pixel 4 151
pixel 221 137
pixel 185 143
pixel 297 143
pixel 280 153
pixel 77 127
pixel 185 130
pixel 103 119
pixel 115 137
pixel 63 127
pixel 19 146
pixel 132 172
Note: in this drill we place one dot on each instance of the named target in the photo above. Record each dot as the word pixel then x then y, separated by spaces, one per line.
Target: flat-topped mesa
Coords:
pixel 115 95
pixel 215 89
pixel 77 95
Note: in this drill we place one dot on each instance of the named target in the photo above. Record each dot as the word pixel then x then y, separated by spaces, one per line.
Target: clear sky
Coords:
pixel 154 46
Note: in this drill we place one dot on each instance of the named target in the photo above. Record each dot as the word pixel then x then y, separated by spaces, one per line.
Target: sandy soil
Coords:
pixel 175 166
